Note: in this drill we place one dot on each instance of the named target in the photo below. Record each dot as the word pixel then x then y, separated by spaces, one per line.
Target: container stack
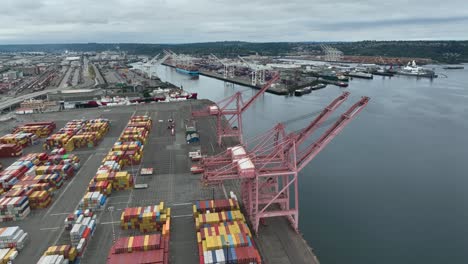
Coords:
pixel 7 255
pixel 21 139
pixel 14 208
pixel 10 150
pixel 58 151
pixel 215 206
pixel 13 173
pixel 68 252
pixel 82 230
pixel 223 236
pixel 92 201
pixel 137 129
pixel 100 125
pixel 77 217
pixel 53 259
pixel 147 219
pixel 40 129
pixel 55 181
pixel 140 250
pixel 40 199
pixel 126 153
pixel 13 237
pixel 16 192
pixel 67 171
pixel 82 223
pixel 120 180
pixel 78 134
pixel 63 159
pixel 104 187
pixel 215 218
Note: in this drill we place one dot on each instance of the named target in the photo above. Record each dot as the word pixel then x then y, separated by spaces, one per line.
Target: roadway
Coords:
pixel 17 100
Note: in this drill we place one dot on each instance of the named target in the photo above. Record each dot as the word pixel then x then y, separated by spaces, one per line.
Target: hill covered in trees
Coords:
pixel 440 51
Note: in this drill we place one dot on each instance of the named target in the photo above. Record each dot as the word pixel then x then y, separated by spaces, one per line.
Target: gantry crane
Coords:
pixel 156 61
pixel 268 169
pixel 228 71
pixel 231 109
pixel 258 72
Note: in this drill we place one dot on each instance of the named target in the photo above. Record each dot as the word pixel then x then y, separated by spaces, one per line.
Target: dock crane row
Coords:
pixel 229 112
pixel 258 71
pixel 268 166
pixel 229 69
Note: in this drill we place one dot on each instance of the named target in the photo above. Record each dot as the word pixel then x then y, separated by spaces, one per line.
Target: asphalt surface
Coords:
pixel 171 182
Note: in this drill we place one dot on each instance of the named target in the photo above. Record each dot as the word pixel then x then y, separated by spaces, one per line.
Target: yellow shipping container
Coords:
pixel 204 246
pixel 130 244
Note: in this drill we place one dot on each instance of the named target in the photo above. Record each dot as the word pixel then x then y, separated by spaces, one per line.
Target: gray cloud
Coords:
pixel 163 21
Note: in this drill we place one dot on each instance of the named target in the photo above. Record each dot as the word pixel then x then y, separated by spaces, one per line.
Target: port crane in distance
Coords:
pixel 228 71
pixel 229 112
pixel 268 166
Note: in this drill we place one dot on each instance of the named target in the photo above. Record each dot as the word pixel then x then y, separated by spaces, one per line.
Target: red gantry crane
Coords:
pixel 231 109
pixel 268 170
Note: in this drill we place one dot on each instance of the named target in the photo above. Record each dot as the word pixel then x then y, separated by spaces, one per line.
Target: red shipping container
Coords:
pixel 138 242
pixel 142 257
pixel 86 233
pixel 166 244
pixel 155 241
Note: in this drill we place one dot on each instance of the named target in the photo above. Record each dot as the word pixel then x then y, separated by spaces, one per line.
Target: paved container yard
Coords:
pixel 171 183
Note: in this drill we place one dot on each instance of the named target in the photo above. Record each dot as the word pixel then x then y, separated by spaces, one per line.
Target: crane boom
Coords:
pixel 310 152
pixel 327 111
pixel 264 88
pixel 246 63
pixel 218 59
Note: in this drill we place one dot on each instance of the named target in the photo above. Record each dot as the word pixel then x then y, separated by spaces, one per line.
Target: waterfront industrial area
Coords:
pixel 186 143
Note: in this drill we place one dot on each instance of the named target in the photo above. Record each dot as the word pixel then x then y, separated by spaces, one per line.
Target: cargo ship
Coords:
pixel 414 70
pixel 359 74
pixel 187 69
pixel 454 67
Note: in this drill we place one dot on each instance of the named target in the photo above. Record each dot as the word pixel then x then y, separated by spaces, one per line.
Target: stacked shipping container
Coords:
pixel 40 129
pixel 7 255
pixel 30 181
pixel 140 250
pixel 10 150
pixel 82 223
pixel 66 252
pixel 78 134
pixel 223 236
pixel 147 218
pixel 21 139
pixel 13 237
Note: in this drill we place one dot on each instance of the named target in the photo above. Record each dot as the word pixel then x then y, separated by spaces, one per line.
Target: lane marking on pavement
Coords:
pixel 59 214
pixel 110 223
pixel 49 228
pixel 177 216
pixel 180 204
pixel 120 196
pixel 66 188
pixel 110 203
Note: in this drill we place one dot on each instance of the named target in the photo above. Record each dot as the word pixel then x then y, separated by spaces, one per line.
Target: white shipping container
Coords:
pixel 3 252
pixel 220 256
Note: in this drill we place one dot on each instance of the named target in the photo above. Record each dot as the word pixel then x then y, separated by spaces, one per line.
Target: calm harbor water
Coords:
pixel 391 188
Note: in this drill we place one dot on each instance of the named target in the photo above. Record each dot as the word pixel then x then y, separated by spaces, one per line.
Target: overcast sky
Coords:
pixel 181 21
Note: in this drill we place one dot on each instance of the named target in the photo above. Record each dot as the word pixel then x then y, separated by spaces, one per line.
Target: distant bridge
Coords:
pixel 10 103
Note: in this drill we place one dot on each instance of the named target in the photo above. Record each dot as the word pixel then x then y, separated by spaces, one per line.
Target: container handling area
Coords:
pixel 123 200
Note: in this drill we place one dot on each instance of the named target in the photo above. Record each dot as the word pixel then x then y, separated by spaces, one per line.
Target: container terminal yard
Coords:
pixel 171 183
